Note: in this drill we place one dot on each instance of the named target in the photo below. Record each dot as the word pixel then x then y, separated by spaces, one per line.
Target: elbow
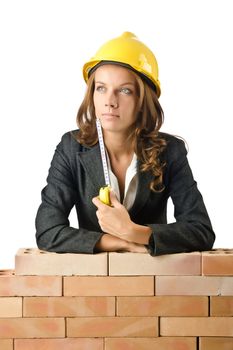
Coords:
pixel 208 240
pixel 46 246
pixel 48 241
pixel 44 237
pixel 43 243
pixel 211 242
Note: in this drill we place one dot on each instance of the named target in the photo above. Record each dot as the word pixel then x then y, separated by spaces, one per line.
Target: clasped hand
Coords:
pixel 114 219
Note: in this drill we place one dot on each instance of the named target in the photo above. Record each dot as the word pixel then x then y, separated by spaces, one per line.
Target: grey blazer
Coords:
pixel 75 177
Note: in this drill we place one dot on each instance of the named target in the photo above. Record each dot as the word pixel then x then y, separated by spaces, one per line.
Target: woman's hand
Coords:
pixel 114 220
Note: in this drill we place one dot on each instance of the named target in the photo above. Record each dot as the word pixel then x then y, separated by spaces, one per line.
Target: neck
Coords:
pixel 118 145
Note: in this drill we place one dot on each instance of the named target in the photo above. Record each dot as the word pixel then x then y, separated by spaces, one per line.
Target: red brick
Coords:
pixel 32 327
pixel 108 286
pixel 221 306
pixel 59 344
pixel 145 264
pixel 112 327
pixel 11 285
pixel 214 343
pixel 196 326
pixel 68 306
pixel 162 306
pixel 193 285
pixel 218 262
pixel 32 261
pixel 161 343
pixel 6 344
pixel 11 307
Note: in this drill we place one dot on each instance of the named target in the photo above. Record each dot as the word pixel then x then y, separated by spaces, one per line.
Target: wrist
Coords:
pixel 139 234
pixel 109 243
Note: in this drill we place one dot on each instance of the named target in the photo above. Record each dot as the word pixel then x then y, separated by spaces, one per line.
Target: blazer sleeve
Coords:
pixel 192 230
pixel 53 231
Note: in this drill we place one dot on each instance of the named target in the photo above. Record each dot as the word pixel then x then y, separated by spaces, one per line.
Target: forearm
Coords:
pixel 139 234
pixel 109 243
pixel 61 238
pixel 181 237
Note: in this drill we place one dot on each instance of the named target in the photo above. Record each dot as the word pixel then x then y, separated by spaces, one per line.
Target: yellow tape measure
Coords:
pixel 104 195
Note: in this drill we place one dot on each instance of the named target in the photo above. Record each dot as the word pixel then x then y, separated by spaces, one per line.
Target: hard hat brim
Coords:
pixel 88 69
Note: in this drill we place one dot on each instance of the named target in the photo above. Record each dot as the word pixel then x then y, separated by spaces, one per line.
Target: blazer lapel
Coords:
pixel 143 191
pixel 91 162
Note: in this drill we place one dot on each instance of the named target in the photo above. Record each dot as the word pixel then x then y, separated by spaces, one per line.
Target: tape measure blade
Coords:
pixel 102 152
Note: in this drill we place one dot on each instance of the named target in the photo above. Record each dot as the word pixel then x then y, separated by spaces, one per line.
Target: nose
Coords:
pixel 111 101
pixel 111 104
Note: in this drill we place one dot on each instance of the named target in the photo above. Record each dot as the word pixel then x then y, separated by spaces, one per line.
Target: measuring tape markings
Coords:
pixel 102 152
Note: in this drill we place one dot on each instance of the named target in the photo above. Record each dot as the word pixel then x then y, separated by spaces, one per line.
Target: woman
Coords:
pixel 146 167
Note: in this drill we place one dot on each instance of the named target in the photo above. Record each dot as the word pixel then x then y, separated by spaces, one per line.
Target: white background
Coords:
pixel 43 45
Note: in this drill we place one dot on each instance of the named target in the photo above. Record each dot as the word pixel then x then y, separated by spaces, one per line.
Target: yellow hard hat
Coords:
pixel 129 51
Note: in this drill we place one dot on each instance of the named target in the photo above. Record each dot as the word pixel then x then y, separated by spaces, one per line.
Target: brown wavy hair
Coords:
pixel 148 145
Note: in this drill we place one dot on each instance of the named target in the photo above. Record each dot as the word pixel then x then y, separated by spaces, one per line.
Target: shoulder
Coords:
pixel 172 140
pixel 175 148
pixel 69 142
pixel 69 139
pixel 69 147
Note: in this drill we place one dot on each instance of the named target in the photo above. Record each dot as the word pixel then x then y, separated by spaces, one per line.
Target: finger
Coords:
pixel 95 201
pixel 113 199
pixel 98 214
pixel 98 203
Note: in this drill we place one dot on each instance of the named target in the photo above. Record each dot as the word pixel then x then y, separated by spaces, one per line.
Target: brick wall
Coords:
pixel 117 301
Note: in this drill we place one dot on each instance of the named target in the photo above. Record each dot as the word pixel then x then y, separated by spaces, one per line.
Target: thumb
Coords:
pixel 113 198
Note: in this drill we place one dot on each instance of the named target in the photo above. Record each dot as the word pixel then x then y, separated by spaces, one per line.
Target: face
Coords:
pixel 115 98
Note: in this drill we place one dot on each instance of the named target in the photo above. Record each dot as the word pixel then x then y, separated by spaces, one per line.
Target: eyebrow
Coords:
pixel 128 83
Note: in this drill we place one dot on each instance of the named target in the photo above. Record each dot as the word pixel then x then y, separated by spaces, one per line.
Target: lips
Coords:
pixel 110 115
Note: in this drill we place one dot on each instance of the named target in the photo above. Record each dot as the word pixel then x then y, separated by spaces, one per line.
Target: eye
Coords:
pixel 100 88
pixel 126 91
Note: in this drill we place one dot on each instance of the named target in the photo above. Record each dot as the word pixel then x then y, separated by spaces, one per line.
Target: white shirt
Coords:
pixel 131 182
